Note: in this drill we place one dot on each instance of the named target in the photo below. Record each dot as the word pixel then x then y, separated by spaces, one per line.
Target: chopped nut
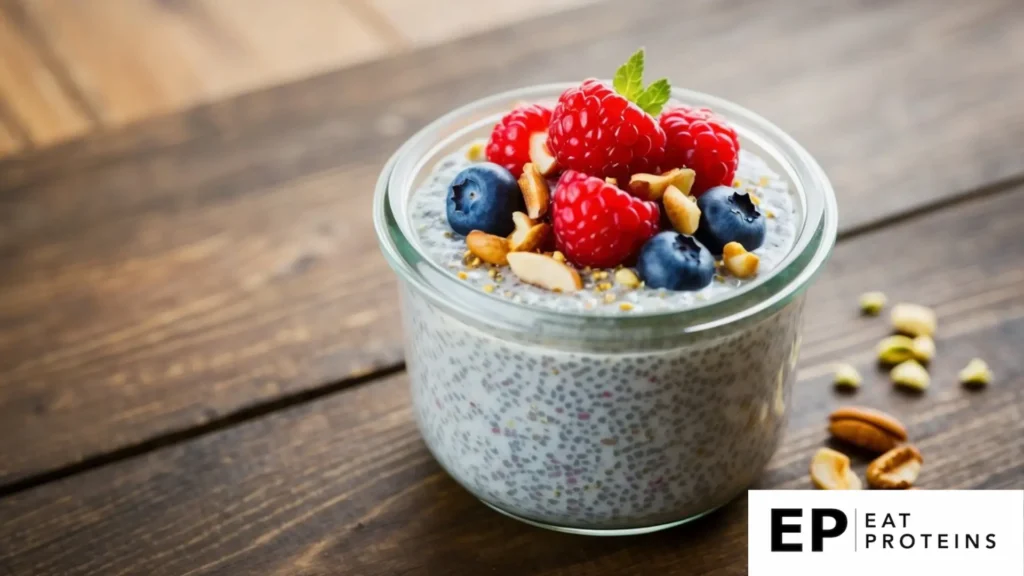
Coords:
pixel 911 375
pixel 681 210
pixel 477 151
pixel 612 181
pixel 976 373
pixel 847 376
pixel 609 298
pixel 604 286
pixel 462 275
pixel 754 199
pixel 540 154
pixel 528 235
pixel 599 275
pixel 653 186
pixel 489 288
pixel 492 272
pixel 769 214
pixel 487 247
pixel 867 428
pixel 914 319
pixel 544 271
pixel 535 191
pixel 897 469
pixel 625 306
pixel 738 261
pixel 475 262
pixel 626 277
pixel 830 470
pixel 871 303
pixel 895 349
pixel 923 348
pixel 558 256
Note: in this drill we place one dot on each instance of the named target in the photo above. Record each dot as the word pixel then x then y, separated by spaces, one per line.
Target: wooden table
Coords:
pixel 200 360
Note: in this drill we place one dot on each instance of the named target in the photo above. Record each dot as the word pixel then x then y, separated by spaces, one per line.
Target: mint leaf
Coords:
pixel 654 98
pixel 629 79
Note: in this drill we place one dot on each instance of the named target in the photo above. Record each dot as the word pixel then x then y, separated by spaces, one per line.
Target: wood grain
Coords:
pixel 31 91
pixel 138 59
pixel 345 486
pixel 175 273
pixel 9 143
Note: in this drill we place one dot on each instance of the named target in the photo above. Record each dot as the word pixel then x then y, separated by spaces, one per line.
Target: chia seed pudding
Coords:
pixel 614 408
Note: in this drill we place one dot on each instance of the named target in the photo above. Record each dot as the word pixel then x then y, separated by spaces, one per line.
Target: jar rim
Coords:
pixel 812 246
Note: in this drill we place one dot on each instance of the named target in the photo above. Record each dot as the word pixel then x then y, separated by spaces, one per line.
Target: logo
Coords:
pixel 838 533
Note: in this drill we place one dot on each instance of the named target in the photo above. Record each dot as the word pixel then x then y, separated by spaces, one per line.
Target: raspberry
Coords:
pixel 597 224
pixel 599 132
pixel 509 144
pixel 703 141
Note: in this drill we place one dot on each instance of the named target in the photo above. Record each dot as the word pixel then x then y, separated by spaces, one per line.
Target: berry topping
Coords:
pixel 674 261
pixel 597 224
pixel 509 144
pixel 703 141
pixel 729 216
pixel 610 131
pixel 483 197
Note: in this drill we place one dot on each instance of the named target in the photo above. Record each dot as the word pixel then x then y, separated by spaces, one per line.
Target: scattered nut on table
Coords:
pixel 923 348
pixel 846 376
pixel 867 428
pixel 914 319
pixel 489 248
pixel 976 373
pixel 897 469
pixel 830 470
pixel 895 349
pixel 871 303
pixel 910 374
pixel 544 271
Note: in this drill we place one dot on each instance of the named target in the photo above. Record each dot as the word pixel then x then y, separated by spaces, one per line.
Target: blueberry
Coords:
pixel 729 216
pixel 483 197
pixel 677 262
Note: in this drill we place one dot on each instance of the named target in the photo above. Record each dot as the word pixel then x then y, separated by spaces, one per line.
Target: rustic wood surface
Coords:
pixel 199 345
pixel 193 269
pixel 344 485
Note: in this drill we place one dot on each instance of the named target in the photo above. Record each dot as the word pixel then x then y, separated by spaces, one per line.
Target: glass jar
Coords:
pixel 600 424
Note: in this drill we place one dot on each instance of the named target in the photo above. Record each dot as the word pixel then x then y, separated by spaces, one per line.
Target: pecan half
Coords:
pixel 867 428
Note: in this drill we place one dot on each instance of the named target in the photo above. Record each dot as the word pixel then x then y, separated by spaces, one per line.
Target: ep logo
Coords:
pixel 825 523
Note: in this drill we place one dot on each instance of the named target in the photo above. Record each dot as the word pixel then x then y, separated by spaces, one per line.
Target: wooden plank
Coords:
pixel 186 269
pixel 425 23
pixel 137 59
pixel 345 486
pixel 32 92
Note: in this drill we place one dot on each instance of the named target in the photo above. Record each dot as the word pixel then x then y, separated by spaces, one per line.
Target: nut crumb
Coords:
pixel 462 275
pixel 625 306
pixel 489 288
pixel 609 298
pixel 846 376
pixel 871 303
pixel 976 373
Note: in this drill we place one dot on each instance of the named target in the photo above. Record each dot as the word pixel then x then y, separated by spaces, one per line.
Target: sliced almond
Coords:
pixel 830 470
pixel 535 191
pixel 681 210
pixel 897 469
pixel 653 186
pixel 489 248
pixel 540 154
pixel 544 271
pixel 914 319
pixel 528 235
pixel 738 261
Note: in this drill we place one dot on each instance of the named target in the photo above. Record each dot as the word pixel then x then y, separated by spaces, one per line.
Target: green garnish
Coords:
pixel 629 82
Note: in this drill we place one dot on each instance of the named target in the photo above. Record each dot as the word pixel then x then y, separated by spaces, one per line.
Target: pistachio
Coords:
pixel 477 151
pixel 897 469
pixel 867 428
pixel 738 261
pixel 976 373
pixel 911 375
pixel 923 348
pixel 535 191
pixel 682 211
pixel 914 319
pixel 528 235
pixel 830 470
pixel 653 186
pixel 540 154
pixel 489 248
pixel 871 303
pixel 895 349
pixel 847 376
pixel 544 271
pixel 626 277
